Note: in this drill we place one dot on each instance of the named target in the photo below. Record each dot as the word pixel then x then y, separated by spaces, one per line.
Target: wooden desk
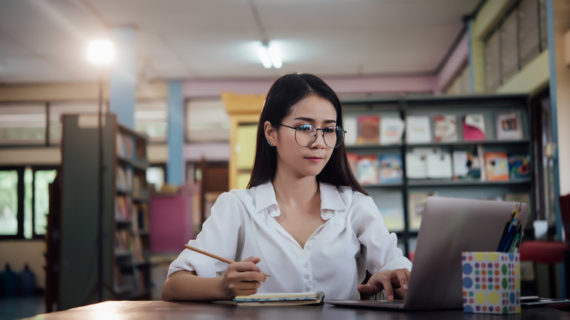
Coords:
pixel 142 310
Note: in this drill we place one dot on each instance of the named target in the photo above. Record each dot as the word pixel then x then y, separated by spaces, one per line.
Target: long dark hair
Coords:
pixel 283 94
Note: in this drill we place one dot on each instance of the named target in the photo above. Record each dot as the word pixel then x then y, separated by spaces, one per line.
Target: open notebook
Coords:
pixel 279 299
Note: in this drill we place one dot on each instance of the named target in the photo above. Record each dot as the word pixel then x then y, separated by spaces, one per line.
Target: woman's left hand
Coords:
pixel 387 280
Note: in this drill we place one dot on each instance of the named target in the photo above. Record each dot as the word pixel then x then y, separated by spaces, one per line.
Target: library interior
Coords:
pixel 122 122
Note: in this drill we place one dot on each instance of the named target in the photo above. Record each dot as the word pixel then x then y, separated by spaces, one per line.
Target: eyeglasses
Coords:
pixel 306 135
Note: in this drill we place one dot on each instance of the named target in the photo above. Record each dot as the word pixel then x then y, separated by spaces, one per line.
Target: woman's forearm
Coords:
pixel 186 285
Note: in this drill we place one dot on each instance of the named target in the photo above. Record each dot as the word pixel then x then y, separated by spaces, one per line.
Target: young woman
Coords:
pixel 304 219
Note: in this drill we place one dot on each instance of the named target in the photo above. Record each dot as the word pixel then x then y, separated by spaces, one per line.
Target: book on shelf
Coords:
pixel 473 127
pixel 124 179
pixel 122 241
pixel 352 161
pixel 475 165
pixel 139 283
pixel 418 129
pixel 509 126
pixel 368 129
pixel 439 165
pixel 416 163
pixel 123 208
pixel 121 283
pixel 391 130
pixel 461 164
pixel 416 202
pixel 129 282
pixel 519 166
pixel 496 166
pixel 125 147
pixel 351 127
pixel 139 186
pixel 140 150
pixel 445 128
pixel 140 218
pixel 390 168
pixel 393 218
pixel 367 169
pixel 137 249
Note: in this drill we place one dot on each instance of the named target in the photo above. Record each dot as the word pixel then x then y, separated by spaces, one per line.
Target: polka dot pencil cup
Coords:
pixel 491 282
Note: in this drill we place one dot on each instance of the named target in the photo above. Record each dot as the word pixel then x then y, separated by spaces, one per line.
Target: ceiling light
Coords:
pixel 270 56
pixel 275 55
pixel 100 52
pixel 263 54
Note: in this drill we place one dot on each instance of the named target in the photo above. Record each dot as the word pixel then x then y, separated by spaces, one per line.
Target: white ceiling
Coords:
pixel 45 40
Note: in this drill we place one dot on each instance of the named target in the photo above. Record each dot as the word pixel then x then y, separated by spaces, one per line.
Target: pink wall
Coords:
pixel 342 85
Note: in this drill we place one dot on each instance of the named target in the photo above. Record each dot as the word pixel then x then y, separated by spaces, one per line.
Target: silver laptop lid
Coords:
pixel 450 226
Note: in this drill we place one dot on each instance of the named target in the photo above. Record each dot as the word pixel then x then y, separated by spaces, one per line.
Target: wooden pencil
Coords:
pixel 211 255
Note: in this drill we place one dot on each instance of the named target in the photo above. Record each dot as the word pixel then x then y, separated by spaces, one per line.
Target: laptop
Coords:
pixel 449 226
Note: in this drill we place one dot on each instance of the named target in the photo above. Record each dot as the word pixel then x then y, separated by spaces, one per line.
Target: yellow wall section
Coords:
pixel 531 79
pixel 489 15
pixel 30 156
pixel 18 253
pixel 242 109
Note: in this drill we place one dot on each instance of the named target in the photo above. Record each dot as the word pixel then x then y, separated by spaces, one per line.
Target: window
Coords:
pixel 24 201
pixel 9 202
pixel 492 63
pixel 207 121
pixel 529 37
pixel 516 41
pixel 41 182
pixel 22 124
pixel 156 176
pixel 543 29
pixel 509 50
pixel 39 124
pixel 151 118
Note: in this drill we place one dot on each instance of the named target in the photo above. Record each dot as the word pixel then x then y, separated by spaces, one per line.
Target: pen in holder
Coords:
pixel 491 282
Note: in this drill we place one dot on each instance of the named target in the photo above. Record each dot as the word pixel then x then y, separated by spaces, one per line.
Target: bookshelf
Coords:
pixel 125 219
pixel 131 271
pixel 446 162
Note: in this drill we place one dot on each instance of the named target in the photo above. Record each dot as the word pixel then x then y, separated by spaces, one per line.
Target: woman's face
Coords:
pixel 297 159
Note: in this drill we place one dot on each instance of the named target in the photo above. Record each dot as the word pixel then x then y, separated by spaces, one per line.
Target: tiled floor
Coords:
pixel 21 307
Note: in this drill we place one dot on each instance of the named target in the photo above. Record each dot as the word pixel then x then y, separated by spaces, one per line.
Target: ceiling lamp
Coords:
pixel 100 52
pixel 270 56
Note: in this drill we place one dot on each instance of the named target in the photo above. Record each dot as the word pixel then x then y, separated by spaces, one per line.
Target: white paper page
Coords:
pixel 439 165
pixel 416 165
pixel 460 163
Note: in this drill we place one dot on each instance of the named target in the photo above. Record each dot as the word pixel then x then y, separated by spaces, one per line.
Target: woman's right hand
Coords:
pixel 243 278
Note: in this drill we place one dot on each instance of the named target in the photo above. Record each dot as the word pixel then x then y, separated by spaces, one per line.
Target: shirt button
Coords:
pixel 307 276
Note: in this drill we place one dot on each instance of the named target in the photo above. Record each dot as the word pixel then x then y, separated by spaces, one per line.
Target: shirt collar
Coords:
pixel 264 196
pixel 330 197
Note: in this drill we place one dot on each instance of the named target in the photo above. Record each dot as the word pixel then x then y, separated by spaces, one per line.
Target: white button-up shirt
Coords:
pixel 353 239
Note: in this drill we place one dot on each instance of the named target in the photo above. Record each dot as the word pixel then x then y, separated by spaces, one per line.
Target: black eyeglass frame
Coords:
pixel 316 134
